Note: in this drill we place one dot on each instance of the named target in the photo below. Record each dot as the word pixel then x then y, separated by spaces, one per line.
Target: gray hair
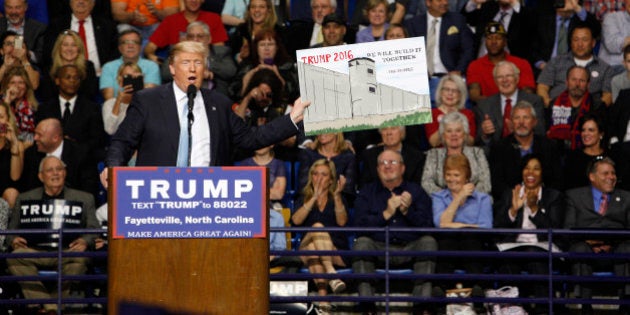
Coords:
pixel 46 158
pixel 453 118
pixel 203 25
pixel 333 3
pixel 524 105
pixel 517 71
pixel 461 86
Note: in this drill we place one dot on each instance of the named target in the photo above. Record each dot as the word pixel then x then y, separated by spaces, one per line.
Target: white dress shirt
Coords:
pixel 91 40
pixel 200 155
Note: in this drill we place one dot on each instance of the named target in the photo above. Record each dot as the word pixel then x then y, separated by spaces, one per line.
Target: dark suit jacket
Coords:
pixel 33 36
pixel 544 34
pixel 519 29
pixel 581 212
pixel 550 213
pixel 88 216
pixel 505 164
pixel 85 125
pixel 81 169
pixel 105 35
pixel 618 116
pixel 456 39
pixel 414 164
pixel 151 126
pixel 492 107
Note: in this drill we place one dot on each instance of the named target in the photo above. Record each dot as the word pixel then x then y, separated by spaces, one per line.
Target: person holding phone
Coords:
pixel 130 80
pixel 16 55
pixel 11 155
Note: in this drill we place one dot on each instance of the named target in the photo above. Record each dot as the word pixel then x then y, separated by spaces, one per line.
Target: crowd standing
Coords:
pixel 531 112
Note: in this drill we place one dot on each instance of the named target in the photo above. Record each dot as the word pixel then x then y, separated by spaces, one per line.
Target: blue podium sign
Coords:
pixel 198 202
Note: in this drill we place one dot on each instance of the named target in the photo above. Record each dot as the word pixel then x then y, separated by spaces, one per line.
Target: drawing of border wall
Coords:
pixel 354 101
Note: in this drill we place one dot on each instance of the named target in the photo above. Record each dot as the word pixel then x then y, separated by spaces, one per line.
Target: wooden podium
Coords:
pixel 189 275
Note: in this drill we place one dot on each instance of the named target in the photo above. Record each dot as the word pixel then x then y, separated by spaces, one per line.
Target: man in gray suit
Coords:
pixel 31 207
pixel 493 121
pixel 599 206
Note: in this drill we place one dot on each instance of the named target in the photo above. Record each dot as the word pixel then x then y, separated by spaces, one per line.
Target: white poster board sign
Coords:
pixel 364 86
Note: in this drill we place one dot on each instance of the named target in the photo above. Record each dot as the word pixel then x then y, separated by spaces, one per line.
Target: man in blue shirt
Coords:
pixel 599 206
pixel 394 202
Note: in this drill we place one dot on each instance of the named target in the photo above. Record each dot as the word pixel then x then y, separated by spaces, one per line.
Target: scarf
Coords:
pixel 563 126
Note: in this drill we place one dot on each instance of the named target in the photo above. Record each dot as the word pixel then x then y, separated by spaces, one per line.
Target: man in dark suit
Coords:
pixel 618 123
pixel 80 117
pixel 599 206
pixel 32 30
pixel 506 155
pixel 152 125
pixel 52 174
pixel 454 45
pixel 515 18
pixel 392 138
pixel 490 113
pixel 81 169
pixel 101 34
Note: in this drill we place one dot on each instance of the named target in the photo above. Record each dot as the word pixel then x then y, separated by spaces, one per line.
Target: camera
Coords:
pixel 136 82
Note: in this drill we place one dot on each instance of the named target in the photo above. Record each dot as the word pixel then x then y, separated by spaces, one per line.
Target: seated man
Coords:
pixel 599 206
pixel 392 138
pixel 480 71
pixel 392 201
pixel 52 173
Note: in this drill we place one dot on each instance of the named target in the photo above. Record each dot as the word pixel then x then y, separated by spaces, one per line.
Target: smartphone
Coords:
pixel 3 128
pixel 17 44
pixel 558 4
pixel 137 83
pixel 268 61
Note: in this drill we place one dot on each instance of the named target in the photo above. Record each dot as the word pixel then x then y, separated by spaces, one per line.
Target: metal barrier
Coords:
pixel 550 278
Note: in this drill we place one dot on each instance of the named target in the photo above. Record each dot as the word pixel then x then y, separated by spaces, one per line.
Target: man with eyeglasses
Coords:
pixel 493 113
pixel 30 213
pixel 394 202
pixel 129 43
pixel 220 66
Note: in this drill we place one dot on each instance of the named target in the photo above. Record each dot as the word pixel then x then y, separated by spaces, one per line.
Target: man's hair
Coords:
pixel 41 163
pixel 333 4
pixel 626 51
pixel 517 71
pixel 524 105
pixel 60 69
pixel 5 35
pixel 203 25
pixel 596 161
pixel 397 25
pixel 581 25
pixel 395 152
pixel 403 131
pixel 588 74
pixel 188 47
pixel 127 32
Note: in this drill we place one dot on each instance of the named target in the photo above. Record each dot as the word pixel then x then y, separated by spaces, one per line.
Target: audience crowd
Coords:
pixel 530 117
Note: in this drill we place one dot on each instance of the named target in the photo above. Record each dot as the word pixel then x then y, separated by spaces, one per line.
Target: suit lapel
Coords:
pixel 496 112
pixel 169 117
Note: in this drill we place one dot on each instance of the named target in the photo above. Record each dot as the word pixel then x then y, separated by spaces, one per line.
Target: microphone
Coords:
pixel 191 92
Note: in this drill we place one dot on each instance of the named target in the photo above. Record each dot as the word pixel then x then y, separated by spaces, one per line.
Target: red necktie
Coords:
pixel 603 205
pixel 506 116
pixel 82 35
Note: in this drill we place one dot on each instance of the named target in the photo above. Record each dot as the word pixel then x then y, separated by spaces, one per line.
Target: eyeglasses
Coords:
pixel 197 36
pixel 267 44
pixel 129 42
pixel 389 162
pixel 449 90
pixel 508 76
pixel 51 170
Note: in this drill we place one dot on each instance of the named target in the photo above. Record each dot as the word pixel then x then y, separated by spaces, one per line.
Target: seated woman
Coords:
pixel 277 172
pixel 332 147
pixel 11 156
pixel 594 143
pixel 460 205
pixel 268 52
pixel 323 206
pixel 69 50
pixel 529 206
pixel 115 109
pixel 18 92
pixel 451 97
pixel 377 13
pixel 453 130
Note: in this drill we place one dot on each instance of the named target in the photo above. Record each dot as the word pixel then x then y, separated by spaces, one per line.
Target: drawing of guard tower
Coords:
pixel 364 91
